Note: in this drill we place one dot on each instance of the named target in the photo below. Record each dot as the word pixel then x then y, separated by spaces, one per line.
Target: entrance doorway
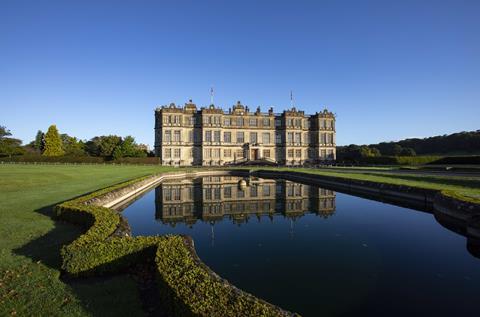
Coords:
pixel 255 154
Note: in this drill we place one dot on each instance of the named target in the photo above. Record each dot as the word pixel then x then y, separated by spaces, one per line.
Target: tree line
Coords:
pixel 54 144
pixel 465 143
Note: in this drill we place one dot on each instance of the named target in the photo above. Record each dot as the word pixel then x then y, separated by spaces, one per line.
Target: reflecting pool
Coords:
pixel 315 251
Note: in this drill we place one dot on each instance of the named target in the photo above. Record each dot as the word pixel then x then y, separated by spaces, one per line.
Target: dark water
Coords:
pixel 314 251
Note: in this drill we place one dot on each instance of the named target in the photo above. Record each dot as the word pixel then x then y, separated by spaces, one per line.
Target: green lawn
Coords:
pixel 30 240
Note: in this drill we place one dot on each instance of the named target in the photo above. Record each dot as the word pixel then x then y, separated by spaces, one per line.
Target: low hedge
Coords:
pixel 190 288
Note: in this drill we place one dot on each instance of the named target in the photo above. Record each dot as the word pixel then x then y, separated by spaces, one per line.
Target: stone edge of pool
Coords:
pixel 98 251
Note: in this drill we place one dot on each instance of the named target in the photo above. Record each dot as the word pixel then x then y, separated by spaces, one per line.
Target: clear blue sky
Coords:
pixel 389 69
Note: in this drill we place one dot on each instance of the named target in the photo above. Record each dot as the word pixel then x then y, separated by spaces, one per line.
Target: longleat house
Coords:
pixel 209 136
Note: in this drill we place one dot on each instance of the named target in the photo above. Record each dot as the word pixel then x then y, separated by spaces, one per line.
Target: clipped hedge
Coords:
pixel 189 287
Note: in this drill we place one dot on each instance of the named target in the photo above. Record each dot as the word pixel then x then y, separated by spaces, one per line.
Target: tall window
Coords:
pixel 266 138
pixel 216 153
pixel 253 137
pixel 216 136
pixel 290 153
pixel 278 138
pixel 168 153
pixel 253 122
pixel 226 122
pixel 227 192
pixel 239 154
pixel 266 153
pixel 208 136
pixel 240 122
pixel 278 122
pixel 266 122
pixel 290 137
pixel 298 138
pixel 227 137
pixel 176 153
pixel 240 137
pixel 168 136
pixel 253 191
pixel 227 153
pixel 266 190
pixel 298 123
pixel 176 136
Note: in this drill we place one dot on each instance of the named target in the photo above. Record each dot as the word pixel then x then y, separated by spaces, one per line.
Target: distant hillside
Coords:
pixel 462 143
pixel 457 143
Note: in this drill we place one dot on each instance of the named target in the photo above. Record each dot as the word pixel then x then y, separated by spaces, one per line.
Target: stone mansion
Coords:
pixel 209 136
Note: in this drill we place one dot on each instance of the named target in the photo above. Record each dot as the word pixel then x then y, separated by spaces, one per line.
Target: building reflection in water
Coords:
pixel 214 198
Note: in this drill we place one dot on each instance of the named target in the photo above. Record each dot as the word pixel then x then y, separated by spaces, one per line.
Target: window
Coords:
pixel 330 154
pixel 278 138
pixel 307 138
pixel 227 137
pixel 266 190
pixel 298 153
pixel 216 153
pixel 227 192
pixel 208 193
pixel 266 138
pixel 298 123
pixel 266 122
pixel 176 153
pixel 323 154
pixel 323 138
pixel 176 193
pixel 216 193
pixel 227 122
pixel 240 122
pixel 168 136
pixel 298 138
pixel 168 153
pixel 176 136
pixel 253 191
pixel 227 153
pixel 309 124
pixel 239 153
pixel 208 153
pixel 216 136
pixel 168 194
pixel 290 137
pixel 192 120
pixel 240 137
pixel 253 137
pixel 215 120
pixel 253 122
pixel 190 136
pixel 278 122
pixel 290 153
pixel 240 194
pixel 290 122
pixel 208 136
pixel 266 153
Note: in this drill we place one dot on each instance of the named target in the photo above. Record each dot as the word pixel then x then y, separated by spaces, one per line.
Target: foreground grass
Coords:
pixel 30 241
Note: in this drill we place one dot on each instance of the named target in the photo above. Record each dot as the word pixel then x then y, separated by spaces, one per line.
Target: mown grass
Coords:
pixel 30 242
pixel 463 187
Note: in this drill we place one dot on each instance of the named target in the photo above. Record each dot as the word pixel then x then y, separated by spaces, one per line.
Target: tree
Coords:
pixel 39 142
pixel 408 151
pixel 53 142
pixel 9 146
pixel 72 146
pixel 129 148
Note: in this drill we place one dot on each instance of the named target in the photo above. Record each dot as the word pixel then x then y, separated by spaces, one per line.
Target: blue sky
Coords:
pixel 388 69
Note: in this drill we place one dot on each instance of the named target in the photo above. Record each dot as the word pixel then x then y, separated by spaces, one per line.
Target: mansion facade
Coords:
pixel 186 136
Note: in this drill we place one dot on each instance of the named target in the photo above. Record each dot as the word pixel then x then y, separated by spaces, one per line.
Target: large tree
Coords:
pixel 72 146
pixel 53 142
pixel 39 142
pixel 9 146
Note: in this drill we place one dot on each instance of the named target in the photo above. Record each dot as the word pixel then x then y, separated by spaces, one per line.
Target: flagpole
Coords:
pixel 211 95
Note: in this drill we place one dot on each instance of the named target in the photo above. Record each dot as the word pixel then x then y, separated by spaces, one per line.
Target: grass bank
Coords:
pixel 30 242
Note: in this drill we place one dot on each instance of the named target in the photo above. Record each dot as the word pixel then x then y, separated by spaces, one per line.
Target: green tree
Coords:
pixel 53 142
pixel 72 146
pixel 9 146
pixel 39 143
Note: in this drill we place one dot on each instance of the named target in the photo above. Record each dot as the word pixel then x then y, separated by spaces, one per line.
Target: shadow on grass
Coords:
pixel 121 294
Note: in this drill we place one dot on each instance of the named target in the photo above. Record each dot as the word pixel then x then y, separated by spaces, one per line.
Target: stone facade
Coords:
pixel 185 136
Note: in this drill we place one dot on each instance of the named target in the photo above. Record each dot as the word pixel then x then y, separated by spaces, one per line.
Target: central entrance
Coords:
pixel 255 154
